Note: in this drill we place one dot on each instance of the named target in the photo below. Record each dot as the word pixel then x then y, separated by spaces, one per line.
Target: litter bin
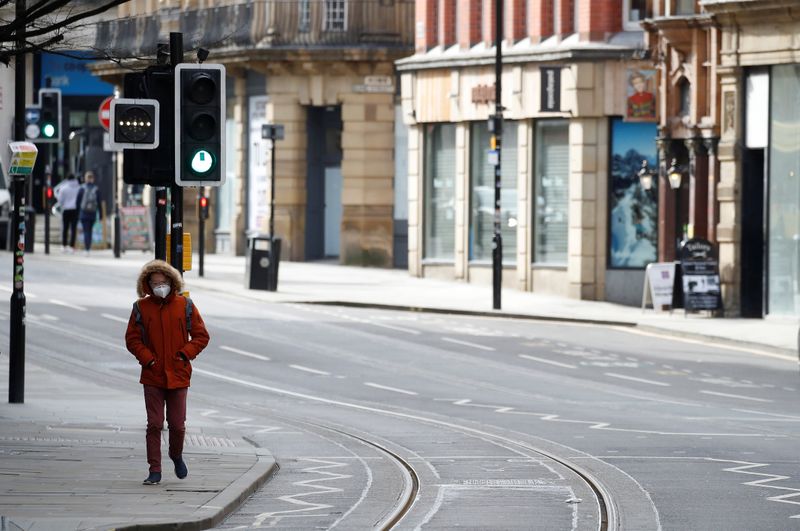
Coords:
pixel 262 260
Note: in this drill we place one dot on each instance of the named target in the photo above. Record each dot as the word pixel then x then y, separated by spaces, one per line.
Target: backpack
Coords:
pixel 89 200
pixel 138 316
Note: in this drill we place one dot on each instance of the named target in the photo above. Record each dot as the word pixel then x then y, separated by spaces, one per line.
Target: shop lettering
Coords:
pixel 483 94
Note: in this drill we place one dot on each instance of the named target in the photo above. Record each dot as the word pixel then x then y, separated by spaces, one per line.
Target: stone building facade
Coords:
pixel 325 70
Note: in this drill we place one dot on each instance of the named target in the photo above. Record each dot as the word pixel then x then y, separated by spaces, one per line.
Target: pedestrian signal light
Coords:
pixel 134 124
pixel 49 192
pixel 199 124
pixel 203 207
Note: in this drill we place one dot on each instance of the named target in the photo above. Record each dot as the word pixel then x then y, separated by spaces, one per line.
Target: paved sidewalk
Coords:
pixel 73 457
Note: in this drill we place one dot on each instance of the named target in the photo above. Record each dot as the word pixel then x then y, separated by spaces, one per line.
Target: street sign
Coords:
pixel 23 158
pixel 104 112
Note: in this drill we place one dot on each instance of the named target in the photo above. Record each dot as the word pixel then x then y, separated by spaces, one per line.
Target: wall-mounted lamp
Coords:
pixel 646 176
pixel 675 175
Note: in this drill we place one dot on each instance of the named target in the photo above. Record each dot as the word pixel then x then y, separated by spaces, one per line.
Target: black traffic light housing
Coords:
pixel 43 121
pixel 134 124
pixel 199 124
pixel 155 167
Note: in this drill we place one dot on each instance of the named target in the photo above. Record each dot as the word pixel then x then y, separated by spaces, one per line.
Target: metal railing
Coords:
pixel 288 24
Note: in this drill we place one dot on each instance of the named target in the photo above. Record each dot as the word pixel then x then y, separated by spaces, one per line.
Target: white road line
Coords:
pixel 542 360
pixel 68 305
pixel 398 328
pixel 741 397
pixel 467 343
pixel 640 380
pixel 387 388
pixel 309 369
pixel 244 353
pixel 114 318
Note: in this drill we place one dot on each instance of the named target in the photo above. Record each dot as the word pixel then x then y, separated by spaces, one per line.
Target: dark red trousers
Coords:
pixel 155 398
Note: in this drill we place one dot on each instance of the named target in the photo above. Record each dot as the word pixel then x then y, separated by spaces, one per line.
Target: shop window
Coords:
pixel 551 189
pixel 481 228
pixel 335 15
pixel 632 209
pixel 439 198
pixel 784 189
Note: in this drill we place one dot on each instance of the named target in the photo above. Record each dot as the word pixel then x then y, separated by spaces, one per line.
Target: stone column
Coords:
pixel 729 189
pixel 666 203
pixel 284 108
pixel 367 173
pixel 415 205
pixel 588 139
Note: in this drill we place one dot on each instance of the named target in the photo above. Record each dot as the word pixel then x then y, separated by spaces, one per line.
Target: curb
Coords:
pixel 224 503
pixel 472 313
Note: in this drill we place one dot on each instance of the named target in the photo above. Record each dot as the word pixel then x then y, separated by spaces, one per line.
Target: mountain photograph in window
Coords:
pixel 633 211
pixel 641 95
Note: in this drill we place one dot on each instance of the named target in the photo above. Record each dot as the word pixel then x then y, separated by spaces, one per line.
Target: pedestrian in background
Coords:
pixel 67 196
pixel 89 206
pixel 165 333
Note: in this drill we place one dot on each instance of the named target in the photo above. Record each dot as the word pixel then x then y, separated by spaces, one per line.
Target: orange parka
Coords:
pixel 162 334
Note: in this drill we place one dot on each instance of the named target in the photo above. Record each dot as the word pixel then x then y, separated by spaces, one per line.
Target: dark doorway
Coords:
pixel 753 230
pixel 323 182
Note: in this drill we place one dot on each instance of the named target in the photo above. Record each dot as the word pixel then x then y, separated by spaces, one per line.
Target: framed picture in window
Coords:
pixel 640 105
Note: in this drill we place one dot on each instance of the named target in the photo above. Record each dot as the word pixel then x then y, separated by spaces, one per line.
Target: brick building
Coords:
pixel 580 117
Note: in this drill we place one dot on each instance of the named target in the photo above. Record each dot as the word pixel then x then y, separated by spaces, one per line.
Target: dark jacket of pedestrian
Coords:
pixel 162 336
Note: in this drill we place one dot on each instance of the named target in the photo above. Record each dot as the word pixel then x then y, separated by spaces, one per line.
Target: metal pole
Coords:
pixel 16 373
pixel 497 248
pixel 202 230
pixel 161 223
pixel 273 140
pixel 115 216
pixel 176 214
pixel 48 187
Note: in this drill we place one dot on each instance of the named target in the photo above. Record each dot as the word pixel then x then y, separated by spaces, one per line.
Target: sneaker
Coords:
pixel 153 479
pixel 180 468
pixel 85 253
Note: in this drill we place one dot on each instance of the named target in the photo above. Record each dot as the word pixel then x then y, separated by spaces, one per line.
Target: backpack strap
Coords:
pixel 137 313
pixel 189 306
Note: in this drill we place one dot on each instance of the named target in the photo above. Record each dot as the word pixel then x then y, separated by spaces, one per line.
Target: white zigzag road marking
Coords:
pixel 240 422
pixel 306 506
pixel 593 425
pixel 763 483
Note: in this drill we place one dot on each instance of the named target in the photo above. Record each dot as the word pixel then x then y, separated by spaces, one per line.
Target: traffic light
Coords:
pixel 203 203
pixel 50 115
pixel 134 124
pixel 199 124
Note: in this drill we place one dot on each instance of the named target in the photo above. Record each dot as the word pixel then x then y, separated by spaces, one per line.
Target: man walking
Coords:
pixel 89 205
pixel 165 333
pixel 67 196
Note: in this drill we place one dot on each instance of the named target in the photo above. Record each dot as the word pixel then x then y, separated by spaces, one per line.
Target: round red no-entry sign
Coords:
pixel 104 112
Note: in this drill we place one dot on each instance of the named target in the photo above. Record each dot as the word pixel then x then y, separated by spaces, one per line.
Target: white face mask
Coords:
pixel 162 290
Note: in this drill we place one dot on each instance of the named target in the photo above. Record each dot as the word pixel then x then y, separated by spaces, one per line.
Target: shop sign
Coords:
pixel 659 281
pixel 550 97
pixel 483 94
pixel 699 270
pixel 376 85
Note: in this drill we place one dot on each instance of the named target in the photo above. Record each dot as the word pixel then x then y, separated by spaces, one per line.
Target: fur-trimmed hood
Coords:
pixel 158 266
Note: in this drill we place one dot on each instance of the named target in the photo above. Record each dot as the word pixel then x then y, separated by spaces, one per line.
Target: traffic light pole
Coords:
pixel 48 191
pixel 161 223
pixel 176 214
pixel 497 248
pixel 201 218
pixel 16 372
pixel 115 215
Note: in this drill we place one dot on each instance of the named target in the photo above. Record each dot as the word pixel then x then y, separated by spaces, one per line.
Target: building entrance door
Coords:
pixel 323 182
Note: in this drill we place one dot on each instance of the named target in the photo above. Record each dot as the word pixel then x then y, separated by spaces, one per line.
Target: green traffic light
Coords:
pixel 202 162
pixel 49 130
